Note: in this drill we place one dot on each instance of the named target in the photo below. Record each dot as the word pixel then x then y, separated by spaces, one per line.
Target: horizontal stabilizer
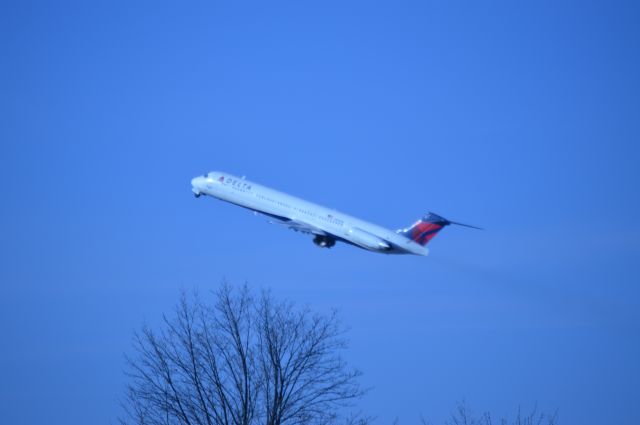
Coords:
pixel 422 231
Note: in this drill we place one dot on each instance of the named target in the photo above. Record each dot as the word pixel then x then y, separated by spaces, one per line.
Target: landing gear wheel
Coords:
pixel 324 241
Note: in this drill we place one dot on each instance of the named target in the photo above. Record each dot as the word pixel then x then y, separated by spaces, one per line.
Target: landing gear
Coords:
pixel 324 241
pixel 197 194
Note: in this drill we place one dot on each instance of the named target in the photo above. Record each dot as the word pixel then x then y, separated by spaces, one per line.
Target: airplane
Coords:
pixel 327 225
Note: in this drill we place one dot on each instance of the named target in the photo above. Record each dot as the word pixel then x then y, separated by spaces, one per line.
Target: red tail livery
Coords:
pixel 427 227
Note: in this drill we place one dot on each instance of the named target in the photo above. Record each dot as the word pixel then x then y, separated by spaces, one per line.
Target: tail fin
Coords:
pixel 427 227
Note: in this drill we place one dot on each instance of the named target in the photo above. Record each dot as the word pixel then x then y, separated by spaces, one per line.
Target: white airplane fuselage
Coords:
pixel 328 225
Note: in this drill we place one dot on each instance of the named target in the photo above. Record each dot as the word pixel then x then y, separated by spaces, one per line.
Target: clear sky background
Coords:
pixel 519 116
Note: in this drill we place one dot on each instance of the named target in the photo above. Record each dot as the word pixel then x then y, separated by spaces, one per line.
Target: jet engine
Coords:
pixel 367 240
pixel 324 241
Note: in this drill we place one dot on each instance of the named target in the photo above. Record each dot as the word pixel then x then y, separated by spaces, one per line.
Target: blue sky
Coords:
pixel 521 117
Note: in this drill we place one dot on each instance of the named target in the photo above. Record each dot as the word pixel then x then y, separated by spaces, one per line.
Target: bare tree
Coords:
pixel 240 361
pixel 464 416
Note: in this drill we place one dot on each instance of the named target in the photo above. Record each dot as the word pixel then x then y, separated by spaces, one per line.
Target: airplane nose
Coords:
pixel 196 184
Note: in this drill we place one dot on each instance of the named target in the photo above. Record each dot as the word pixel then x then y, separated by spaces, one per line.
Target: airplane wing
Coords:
pixel 300 226
pixel 297 225
pixel 303 227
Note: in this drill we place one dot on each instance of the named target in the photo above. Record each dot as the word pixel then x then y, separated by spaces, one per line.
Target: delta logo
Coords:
pixel 235 183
